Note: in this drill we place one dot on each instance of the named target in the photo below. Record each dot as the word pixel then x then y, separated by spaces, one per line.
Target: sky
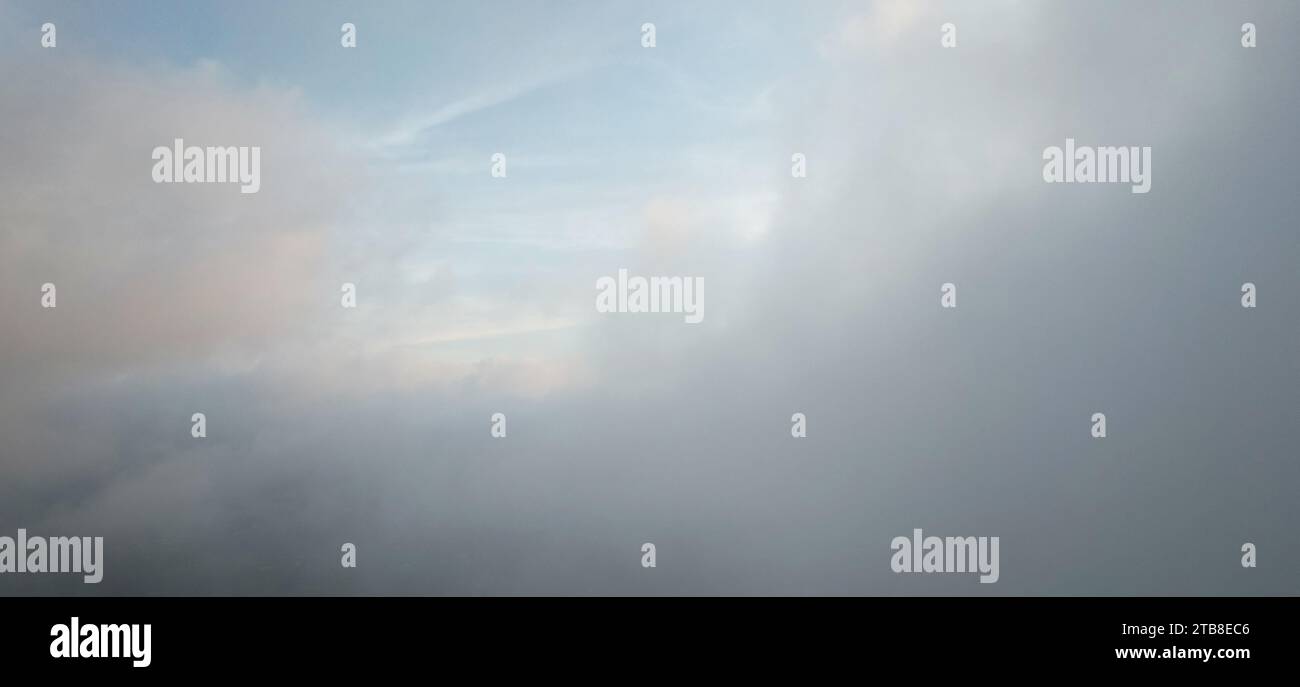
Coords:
pixel 475 296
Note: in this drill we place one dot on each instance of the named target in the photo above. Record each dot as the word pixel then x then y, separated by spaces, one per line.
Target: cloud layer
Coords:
pixel 371 425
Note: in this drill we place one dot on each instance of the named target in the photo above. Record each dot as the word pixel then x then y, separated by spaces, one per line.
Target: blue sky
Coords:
pixel 596 128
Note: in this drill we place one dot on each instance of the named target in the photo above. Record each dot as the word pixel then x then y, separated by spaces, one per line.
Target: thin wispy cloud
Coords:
pixel 410 129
